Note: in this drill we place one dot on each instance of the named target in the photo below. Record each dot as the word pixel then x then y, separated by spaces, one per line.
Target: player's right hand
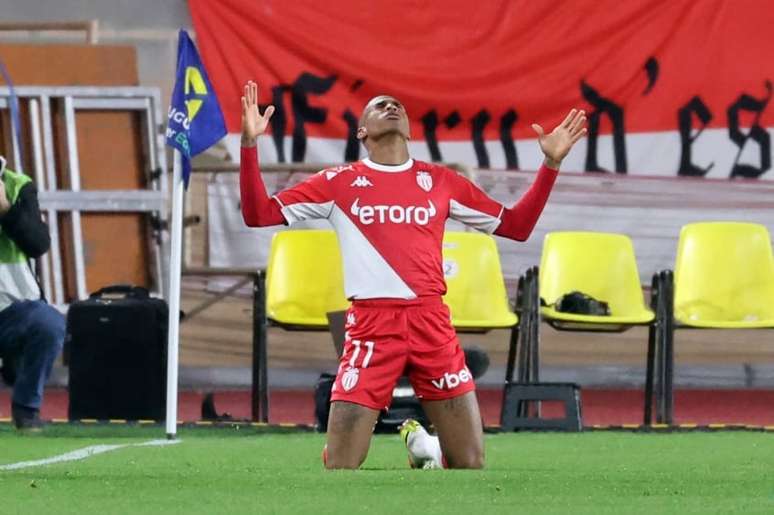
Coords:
pixel 253 122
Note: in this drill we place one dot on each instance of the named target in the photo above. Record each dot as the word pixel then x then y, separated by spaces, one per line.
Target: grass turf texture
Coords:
pixel 245 471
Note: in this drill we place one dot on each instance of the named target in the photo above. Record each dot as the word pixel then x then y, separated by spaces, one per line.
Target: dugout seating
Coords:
pixel 602 265
pixel 723 279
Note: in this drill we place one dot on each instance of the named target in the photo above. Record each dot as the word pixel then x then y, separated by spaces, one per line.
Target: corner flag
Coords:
pixel 195 120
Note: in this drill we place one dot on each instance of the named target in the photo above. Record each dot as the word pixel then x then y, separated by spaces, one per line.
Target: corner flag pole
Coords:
pixel 175 261
pixel 195 123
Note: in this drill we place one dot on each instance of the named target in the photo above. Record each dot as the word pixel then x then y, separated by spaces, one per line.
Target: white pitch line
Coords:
pixel 84 453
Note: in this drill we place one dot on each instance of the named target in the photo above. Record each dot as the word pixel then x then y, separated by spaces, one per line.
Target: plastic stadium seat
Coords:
pixel 723 279
pixel 601 265
pixel 598 264
pixel 724 276
pixel 304 279
pixel 476 293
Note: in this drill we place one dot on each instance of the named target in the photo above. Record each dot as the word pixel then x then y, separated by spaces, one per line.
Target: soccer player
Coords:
pixel 389 212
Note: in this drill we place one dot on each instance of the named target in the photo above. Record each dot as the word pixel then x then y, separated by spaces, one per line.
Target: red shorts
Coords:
pixel 389 338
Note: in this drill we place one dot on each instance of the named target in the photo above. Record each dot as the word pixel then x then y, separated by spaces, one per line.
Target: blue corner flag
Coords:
pixel 195 121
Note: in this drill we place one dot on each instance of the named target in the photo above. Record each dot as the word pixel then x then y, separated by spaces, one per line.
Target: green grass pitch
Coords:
pixel 241 471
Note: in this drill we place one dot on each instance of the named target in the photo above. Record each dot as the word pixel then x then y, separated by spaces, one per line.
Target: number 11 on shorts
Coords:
pixel 356 353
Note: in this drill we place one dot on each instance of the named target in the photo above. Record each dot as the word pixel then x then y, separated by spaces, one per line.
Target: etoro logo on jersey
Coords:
pixel 381 214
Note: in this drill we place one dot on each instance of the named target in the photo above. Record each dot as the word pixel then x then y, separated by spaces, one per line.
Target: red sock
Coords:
pixel 325 455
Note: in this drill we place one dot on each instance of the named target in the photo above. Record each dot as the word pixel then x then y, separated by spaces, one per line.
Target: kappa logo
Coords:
pixel 452 381
pixel 394 214
pixel 361 182
pixel 350 319
pixel 425 180
pixel 350 378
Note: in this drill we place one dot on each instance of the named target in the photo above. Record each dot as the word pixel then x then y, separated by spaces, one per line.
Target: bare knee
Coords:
pixel 349 434
pixel 470 460
pixel 342 461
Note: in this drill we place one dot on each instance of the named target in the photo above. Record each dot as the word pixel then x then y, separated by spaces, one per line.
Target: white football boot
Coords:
pixel 424 449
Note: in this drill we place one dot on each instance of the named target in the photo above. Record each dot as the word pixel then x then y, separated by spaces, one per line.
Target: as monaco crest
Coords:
pixel 425 180
pixel 349 379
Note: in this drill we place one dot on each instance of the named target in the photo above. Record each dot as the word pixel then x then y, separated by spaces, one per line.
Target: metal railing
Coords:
pixel 44 103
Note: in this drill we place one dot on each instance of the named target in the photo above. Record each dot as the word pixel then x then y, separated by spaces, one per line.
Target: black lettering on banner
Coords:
pixel 507 122
pixel 452 120
pixel 429 126
pixel 651 70
pixel 304 113
pixel 605 106
pixel 757 133
pixel 478 123
pixel 685 122
pixel 430 129
pixel 352 151
pixel 279 121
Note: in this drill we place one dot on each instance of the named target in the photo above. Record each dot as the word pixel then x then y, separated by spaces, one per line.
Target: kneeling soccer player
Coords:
pixel 389 212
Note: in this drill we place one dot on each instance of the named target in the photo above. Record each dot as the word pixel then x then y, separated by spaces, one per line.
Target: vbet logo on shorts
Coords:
pixel 394 214
pixel 452 381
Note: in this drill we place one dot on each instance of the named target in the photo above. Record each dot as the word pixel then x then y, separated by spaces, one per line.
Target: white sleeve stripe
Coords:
pixel 306 211
pixel 471 217
pixel 275 197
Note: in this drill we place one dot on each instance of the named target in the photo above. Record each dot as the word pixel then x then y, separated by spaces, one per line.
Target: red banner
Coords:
pixel 484 71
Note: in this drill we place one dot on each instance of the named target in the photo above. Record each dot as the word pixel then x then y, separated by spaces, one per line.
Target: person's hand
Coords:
pixel 5 205
pixel 558 143
pixel 253 123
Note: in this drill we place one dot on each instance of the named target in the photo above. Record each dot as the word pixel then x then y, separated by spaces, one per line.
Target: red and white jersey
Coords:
pixel 390 222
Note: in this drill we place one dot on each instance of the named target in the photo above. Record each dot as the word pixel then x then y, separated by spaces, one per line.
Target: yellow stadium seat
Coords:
pixel 304 279
pixel 724 276
pixel 723 279
pixel 603 266
pixel 476 293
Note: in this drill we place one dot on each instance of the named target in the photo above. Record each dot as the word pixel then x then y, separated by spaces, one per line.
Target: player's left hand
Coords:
pixel 558 143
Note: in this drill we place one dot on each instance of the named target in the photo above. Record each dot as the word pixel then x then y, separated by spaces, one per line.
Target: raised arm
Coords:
pixel 518 221
pixel 258 209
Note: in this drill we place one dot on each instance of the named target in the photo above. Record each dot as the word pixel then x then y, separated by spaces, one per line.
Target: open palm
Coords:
pixel 253 122
pixel 557 144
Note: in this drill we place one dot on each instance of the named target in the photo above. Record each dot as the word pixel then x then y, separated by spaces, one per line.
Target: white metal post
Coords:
pixel 74 167
pixel 174 293
pixel 40 182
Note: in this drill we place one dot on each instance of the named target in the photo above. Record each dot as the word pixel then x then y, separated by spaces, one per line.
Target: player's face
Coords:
pixel 383 115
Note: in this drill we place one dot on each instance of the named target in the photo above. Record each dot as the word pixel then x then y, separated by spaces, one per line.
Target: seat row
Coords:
pixel 723 278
